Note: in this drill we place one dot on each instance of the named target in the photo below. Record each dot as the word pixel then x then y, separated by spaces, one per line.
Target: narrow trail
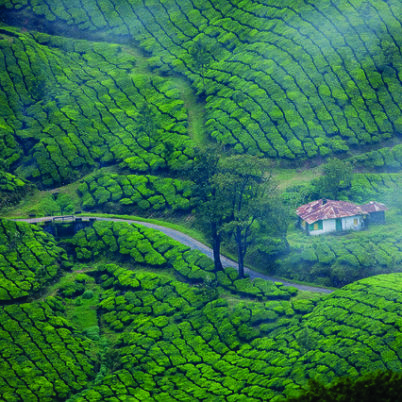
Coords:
pixel 193 244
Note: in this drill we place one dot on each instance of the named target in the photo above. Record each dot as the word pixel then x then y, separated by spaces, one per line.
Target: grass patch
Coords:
pixel 195 111
pixel 290 177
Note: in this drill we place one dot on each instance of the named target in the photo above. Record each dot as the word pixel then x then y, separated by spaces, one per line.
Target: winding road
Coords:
pixel 188 241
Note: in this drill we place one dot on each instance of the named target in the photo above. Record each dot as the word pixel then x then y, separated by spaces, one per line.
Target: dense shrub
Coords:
pixel 12 189
pixel 41 356
pixel 339 260
pixel 136 191
pixel 29 259
pixel 149 247
pixel 73 106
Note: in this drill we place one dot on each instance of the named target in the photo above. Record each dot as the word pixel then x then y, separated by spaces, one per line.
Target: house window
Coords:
pixel 355 221
pixel 316 226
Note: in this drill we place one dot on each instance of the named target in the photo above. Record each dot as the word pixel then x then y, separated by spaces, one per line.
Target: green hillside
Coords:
pixel 160 327
pixel 106 107
pixel 293 80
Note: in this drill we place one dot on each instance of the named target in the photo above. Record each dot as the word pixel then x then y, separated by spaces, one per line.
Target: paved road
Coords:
pixel 194 244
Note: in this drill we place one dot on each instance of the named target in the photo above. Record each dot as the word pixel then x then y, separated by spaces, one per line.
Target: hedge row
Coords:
pixel 338 260
pixel 175 342
pixel 355 330
pixel 384 158
pixel 149 247
pixel 72 105
pixel 143 192
pixel 29 259
pixel 41 357
pixel 375 186
pixel 173 337
pixel 364 187
pixel 286 80
pixel 11 188
pixel 162 339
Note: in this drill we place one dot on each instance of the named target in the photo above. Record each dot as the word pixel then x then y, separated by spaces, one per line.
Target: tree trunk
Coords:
pixel 216 248
pixel 240 254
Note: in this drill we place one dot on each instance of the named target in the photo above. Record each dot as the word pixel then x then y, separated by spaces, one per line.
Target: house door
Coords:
pixel 338 225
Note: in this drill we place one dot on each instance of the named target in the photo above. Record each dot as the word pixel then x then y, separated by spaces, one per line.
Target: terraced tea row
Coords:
pixel 41 358
pixel 338 260
pixel 293 80
pixel 178 342
pixel 385 158
pixel 68 106
pixel 189 338
pixel 173 336
pixel 140 245
pixel 136 191
pixel 29 260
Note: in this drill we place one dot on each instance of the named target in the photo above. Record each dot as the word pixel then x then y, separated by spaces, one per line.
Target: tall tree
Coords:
pixel 148 126
pixel 208 212
pixel 201 56
pixel 337 177
pixel 248 202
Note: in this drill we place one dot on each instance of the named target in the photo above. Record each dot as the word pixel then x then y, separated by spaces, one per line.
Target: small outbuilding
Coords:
pixel 375 211
pixel 326 216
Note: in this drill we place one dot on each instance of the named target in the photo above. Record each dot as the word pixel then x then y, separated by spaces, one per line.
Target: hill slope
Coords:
pixel 293 80
pixel 157 328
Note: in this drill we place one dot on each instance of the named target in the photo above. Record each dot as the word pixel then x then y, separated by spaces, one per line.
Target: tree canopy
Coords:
pixel 337 176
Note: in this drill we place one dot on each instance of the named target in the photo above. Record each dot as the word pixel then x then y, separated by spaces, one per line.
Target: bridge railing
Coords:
pixel 65 218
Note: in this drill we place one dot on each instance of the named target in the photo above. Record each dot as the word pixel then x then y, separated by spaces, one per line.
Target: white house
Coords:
pixel 325 216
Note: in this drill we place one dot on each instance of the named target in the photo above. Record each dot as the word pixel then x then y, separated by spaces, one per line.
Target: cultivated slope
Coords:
pixel 287 80
pixel 156 328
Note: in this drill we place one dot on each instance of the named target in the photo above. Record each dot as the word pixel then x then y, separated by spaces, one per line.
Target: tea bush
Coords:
pixel 339 260
pixel 29 259
pixel 148 247
pixel 41 357
pixel 144 192
pixel 69 106
pixel 12 189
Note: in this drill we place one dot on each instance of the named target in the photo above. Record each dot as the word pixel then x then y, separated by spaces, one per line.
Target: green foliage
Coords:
pixel 377 386
pixel 385 158
pixel 339 260
pixel 337 175
pixel 362 188
pixel 41 356
pixel 249 203
pixel 72 106
pixel 29 259
pixel 138 245
pixel 12 189
pixel 155 337
pixel 175 342
pixel 290 80
pixel 136 192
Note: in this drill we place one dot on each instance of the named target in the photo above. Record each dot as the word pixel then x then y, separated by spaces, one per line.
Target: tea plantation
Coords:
pixel 160 324
pixel 58 123
pixel 289 80
pixel 104 107
pixel 140 192
pixel 29 260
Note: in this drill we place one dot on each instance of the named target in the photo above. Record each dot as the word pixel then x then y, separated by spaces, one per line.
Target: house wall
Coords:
pixel 353 222
pixel 376 217
pixel 348 223
pixel 328 226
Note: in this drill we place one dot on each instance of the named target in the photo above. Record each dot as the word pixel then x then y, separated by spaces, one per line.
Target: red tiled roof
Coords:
pixel 373 206
pixel 328 209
